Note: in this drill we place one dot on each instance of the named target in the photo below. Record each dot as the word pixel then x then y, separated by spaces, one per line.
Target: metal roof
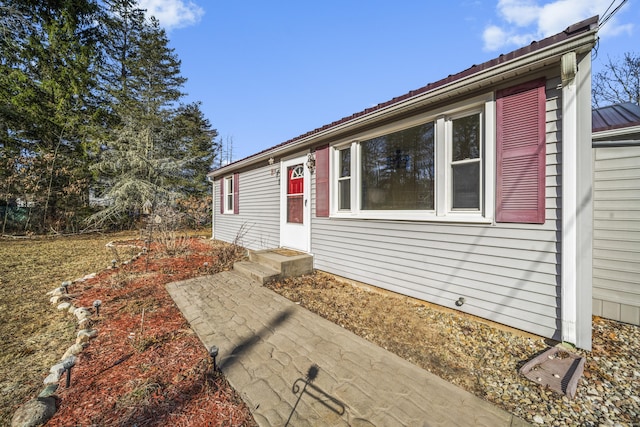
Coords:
pixel 569 33
pixel 615 116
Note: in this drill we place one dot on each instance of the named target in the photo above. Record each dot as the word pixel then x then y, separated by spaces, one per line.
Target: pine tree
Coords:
pixel 194 140
pixel 140 160
pixel 47 102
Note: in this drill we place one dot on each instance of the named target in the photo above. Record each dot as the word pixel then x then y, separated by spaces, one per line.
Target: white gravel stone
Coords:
pixel 56 291
pixel 64 306
pixel 538 419
pixel 88 332
pixel 52 379
pixel 58 369
pixel 82 313
pixel 73 350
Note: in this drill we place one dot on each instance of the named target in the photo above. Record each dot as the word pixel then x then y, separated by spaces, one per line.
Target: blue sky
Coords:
pixel 267 72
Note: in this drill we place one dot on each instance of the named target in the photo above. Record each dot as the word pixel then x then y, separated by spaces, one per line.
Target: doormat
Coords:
pixel 557 369
pixel 287 252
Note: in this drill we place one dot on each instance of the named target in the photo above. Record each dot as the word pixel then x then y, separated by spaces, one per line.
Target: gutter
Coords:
pixel 614 143
pixel 496 74
pixel 613 133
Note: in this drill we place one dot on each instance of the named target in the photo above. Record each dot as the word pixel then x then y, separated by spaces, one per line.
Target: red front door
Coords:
pixel 295 194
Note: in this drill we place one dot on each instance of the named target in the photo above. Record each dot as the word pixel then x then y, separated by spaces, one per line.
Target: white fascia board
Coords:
pixel 520 66
pixel 613 133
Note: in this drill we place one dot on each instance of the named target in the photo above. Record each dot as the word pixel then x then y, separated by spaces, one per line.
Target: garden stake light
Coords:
pixel 69 376
pixel 113 263
pixel 69 363
pixel 96 304
pixel 213 352
pixel 65 285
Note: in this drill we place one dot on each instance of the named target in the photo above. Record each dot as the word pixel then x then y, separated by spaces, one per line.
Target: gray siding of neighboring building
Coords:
pixel 258 219
pixel 508 273
pixel 616 246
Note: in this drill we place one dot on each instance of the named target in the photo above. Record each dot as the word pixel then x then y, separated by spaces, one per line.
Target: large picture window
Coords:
pixel 434 167
pixel 397 170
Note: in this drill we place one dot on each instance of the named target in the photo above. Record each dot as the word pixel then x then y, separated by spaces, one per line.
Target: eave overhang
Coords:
pixel 518 63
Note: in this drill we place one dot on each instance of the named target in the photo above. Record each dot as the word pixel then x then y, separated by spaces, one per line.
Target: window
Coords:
pixel 466 164
pixel 344 179
pixel 295 194
pixel 433 167
pixel 228 194
pixel 229 197
pixel 397 170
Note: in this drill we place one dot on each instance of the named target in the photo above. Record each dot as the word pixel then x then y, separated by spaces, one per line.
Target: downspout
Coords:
pixel 576 201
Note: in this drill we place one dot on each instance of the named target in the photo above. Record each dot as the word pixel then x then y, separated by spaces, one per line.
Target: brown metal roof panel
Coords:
pixel 615 117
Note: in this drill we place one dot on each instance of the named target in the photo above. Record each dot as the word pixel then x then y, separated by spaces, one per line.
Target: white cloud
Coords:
pixel 173 13
pixel 528 20
pixel 493 37
pixel 518 12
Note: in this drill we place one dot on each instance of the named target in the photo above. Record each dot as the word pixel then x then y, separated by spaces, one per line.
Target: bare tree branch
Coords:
pixel 619 81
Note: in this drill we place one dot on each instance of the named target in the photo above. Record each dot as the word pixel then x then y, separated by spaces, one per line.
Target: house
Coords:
pixel 616 211
pixel 472 192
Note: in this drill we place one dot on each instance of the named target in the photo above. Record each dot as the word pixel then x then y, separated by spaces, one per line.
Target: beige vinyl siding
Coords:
pixel 508 273
pixel 616 243
pixel 259 211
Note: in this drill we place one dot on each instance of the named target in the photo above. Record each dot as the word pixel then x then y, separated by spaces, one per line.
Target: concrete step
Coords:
pixel 257 272
pixel 288 262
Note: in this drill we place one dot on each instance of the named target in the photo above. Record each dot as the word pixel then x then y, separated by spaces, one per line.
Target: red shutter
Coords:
pixel 322 182
pixel 521 153
pixel 222 183
pixel 236 193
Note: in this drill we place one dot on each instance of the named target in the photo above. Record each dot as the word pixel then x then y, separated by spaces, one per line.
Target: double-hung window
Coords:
pixel 228 194
pixel 466 162
pixel 431 167
pixel 344 178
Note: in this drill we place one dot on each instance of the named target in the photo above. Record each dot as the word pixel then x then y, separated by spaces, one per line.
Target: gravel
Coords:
pixel 482 357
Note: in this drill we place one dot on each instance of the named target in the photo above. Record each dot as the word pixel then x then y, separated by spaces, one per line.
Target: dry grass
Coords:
pixel 480 356
pixel 34 335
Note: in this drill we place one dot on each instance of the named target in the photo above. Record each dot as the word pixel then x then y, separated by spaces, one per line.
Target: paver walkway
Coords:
pixel 294 368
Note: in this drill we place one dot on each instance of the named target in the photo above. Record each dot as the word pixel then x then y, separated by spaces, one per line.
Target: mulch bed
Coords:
pixel 146 366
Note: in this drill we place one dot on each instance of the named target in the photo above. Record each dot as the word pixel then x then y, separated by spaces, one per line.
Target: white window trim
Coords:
pixel 449 162
pixel 485 104
pixel 228 192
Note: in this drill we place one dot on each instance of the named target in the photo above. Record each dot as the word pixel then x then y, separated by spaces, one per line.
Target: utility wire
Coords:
pixel 605 12
pixel 613 12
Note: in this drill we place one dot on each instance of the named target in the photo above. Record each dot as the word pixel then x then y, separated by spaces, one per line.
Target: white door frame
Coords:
pixel 295 236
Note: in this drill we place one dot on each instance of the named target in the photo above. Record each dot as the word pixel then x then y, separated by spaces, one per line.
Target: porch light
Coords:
pixel 311 162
